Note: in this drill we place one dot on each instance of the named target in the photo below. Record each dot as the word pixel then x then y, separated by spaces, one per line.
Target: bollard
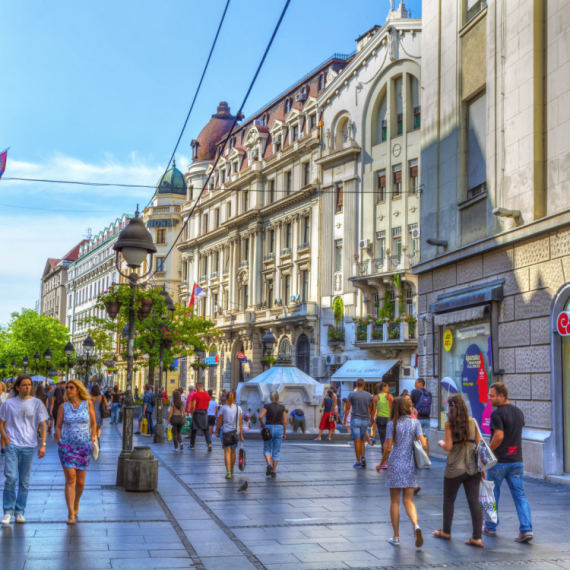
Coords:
pixel 140 470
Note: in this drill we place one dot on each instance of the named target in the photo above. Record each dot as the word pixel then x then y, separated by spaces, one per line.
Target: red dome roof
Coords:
pixel 218 126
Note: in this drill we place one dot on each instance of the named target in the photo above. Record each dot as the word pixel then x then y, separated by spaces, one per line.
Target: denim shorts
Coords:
pixel 358 428
pixel 426 424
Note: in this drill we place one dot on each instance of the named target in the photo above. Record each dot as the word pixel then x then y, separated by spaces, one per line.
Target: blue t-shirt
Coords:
pixel 148 401
pixel 296 416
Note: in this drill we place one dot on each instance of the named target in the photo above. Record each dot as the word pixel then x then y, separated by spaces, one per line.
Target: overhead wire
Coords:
pixel 238 114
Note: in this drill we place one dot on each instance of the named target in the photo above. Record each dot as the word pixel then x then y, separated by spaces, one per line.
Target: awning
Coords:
pixel 368 370
pixel 472 314
pixel 482 294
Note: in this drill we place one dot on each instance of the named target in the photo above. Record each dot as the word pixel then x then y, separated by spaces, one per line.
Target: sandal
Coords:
pixel 71 520
pixel 228 475
pixel 440 534
pixel 471 542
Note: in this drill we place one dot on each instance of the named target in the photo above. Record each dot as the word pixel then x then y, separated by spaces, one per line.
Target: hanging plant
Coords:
pixel 269 360
pixel 338 309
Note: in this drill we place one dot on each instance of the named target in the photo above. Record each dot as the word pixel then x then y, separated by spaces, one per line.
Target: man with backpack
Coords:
pixel 149 402
pixel 421 398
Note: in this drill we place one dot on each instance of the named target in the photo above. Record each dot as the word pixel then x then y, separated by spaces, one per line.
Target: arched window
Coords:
pixel 321 81
pixel 382 124
pixel 287 105
pixel 303 354
pixel 341 133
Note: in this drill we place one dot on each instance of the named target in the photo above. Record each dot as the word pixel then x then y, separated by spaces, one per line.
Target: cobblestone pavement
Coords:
pixel 318 514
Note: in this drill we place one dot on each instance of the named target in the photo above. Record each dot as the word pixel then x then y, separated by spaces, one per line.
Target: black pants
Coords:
pixel 450 488
pixel 381 424
pixel 148 416
pixel 176 422
pixel 200 423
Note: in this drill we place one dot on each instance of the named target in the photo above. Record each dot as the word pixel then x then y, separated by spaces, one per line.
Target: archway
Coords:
pixel 236 366
pixel 303 354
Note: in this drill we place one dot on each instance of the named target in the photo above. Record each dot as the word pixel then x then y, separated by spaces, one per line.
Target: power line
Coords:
pixel 79 183
pixel 60 210
pixel 239 113
pixel 195 94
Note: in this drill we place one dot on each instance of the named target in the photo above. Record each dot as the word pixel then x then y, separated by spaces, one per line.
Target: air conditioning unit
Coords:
pixel 301 96
pixel 258 123
pixel 406 372
pixel 317 367
pixel 329 359
pixel 277 139
pixel 340 358
pixel 364 243
pixel 416 233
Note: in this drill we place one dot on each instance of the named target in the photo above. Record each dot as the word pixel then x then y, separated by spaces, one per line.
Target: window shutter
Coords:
pixel 413 171
pixel 382 182
pixel 339 196
pixel 477 143
pixel 398 177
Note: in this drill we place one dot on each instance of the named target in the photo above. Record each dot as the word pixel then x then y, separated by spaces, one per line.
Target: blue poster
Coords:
pixel 474 381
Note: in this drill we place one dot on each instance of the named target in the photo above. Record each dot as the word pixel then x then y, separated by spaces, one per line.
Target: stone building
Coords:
pixel 53 300
pixel 370 209
pixel 251 241
pixel 495 217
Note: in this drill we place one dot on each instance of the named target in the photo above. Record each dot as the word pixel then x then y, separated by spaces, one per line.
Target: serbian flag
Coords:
pixel 197 295
pixel 3 159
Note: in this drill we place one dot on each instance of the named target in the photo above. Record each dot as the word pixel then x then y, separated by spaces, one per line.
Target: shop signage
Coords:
pixel 563 323
pixel 161 223
pixel 241 357
pixel 447 340
pixel 211 360
pixel 483 329
pixel 475 385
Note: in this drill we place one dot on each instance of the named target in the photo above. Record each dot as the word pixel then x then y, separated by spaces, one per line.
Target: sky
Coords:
pixel 98 91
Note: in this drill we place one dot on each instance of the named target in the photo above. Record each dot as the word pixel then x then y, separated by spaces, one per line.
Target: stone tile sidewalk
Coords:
pixel 318 514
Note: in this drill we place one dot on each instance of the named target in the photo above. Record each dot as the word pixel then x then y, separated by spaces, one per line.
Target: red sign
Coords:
pixel 563 323
pixel 241 356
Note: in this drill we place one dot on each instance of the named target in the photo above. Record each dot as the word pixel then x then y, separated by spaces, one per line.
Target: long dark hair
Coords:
pixel 58 395
pixel 458 418
pixel 176 400
pixel 41 394
pixel 400 408
pixel 95 390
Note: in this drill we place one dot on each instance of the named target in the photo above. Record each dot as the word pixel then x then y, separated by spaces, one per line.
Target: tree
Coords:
pixel 29 332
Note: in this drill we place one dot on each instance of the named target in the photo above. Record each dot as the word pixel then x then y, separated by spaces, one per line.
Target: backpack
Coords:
pixel 424 403
pixel 299 413
pixel 153 399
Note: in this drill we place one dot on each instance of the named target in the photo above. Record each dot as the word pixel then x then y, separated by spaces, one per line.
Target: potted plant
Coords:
pixel 146 304
pixel 112 301
pixel 269 360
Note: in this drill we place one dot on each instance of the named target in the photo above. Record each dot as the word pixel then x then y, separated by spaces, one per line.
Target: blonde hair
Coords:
pixel 231 399
pixel 82 392
pixel 3 388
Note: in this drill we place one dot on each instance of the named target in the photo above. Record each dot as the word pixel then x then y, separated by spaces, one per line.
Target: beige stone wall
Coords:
pixel 533 271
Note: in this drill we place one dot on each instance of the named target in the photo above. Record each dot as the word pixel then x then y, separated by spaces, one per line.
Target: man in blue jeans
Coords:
pixel 507 422
pixel 148 407
pixel 20 419
pixel 361 418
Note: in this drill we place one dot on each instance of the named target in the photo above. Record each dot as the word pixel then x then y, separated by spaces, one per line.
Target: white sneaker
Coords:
pixel 20 519
pixel 6 519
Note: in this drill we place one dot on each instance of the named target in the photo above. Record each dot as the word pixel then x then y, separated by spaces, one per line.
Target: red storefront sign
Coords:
pixel 563 323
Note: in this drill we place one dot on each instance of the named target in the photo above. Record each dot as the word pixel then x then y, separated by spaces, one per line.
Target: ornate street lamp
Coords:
pixel 69 349
pixel 199 355
pixel 37 358
pixel 134 245
pixel 269 341
pixel 47 357
pixel 162 321
pixel 88 346
pixel 25 362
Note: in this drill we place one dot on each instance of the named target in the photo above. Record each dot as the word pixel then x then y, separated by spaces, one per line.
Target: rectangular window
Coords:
pixel 216 263
pixel 306 229
pixel 287 289
pixel 304 286
pixel 472 8
pixel 228 210
pixel 246 249
pixel 223 176
pixel 205 224
pixel 161 236
pixel 288 182
pixel 246 201
pixel 270 294
pixel 271 241
pixel 417 117
pixel 306 174
pixel 338 255
pixel 399 123
pixel 295 133
pixel 215 302
pixel 271 191
pixel 399 100
pixel 413 184
pixel 381 245
pixel 245 297
pixel 384 130
pixel 409 302
pixel 339 198
pixel 413 239
pixel 396 181
pixel 216 218
pixel 288 235
pixel 381 186
pixel 160 264
pixel 476 146
pixel 397 250
pixel 312 121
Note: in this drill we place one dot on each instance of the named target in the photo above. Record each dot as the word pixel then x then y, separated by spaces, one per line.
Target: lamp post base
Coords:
pixel 159 433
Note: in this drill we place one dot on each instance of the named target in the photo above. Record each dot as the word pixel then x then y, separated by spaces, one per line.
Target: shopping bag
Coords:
pixel 169 432
pixel 95 449
pixel 487 500
pixel 420 458
pixel 241 460
pixel 485 457
pixel 144 426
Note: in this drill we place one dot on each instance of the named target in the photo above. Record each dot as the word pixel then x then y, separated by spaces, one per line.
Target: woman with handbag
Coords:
pixel 328 420
pixel 461 438
pixel 230 428
pixel 177 418
pixel 401 434
pixel 275 418
pixel 99 406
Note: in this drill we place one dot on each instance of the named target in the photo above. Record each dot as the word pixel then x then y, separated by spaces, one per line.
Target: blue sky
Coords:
pixel 98 91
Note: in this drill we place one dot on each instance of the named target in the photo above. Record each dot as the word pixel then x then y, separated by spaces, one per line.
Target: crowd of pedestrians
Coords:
pixel 401 425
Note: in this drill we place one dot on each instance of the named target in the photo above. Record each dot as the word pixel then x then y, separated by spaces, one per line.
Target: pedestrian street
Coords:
pixel 319 513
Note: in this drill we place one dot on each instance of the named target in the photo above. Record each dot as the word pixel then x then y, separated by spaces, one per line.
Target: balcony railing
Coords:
pixel 387 264
pixel 269 256
pixel 203 278
pixel 335 335
pixel 385 333
pixel 286 251
pixel 302 246
pixel 214 275
pixel 244 263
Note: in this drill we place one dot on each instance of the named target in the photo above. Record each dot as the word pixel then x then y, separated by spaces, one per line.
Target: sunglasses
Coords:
pixel 72 387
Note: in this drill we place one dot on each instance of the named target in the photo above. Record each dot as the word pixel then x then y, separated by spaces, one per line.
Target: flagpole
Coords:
pixel 5 150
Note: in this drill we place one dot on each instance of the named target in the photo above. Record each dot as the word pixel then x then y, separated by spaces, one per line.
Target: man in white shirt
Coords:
pixel 20 419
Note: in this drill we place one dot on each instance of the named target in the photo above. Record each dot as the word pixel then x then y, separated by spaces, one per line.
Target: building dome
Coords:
pixel 172 182
pixel 204 147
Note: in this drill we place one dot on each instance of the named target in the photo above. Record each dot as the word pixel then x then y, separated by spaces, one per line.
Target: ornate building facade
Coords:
pixel 251 241
pixel 370 209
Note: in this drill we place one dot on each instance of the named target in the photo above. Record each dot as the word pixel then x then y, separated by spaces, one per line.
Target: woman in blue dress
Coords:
pixel 76 430
pixel 401 432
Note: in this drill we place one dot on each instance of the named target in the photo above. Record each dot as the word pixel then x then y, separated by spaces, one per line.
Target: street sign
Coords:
pixel 240 356
pixel 211 360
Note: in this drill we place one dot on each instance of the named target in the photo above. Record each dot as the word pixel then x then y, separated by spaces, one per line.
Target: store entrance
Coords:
pixel 392 378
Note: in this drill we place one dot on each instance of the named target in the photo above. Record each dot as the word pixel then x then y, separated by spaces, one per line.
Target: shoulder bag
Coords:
pixel 485 457
pixel 420 458
pixel 231 437
pixel 105 413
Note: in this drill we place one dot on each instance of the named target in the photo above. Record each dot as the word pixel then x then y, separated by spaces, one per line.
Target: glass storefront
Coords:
pixel 466 368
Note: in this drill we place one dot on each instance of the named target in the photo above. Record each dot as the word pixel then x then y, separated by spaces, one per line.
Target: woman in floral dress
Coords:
pixel 401 432
pixel 76 430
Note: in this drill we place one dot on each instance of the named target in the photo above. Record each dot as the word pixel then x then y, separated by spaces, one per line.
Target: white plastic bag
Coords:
pixel 487 500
